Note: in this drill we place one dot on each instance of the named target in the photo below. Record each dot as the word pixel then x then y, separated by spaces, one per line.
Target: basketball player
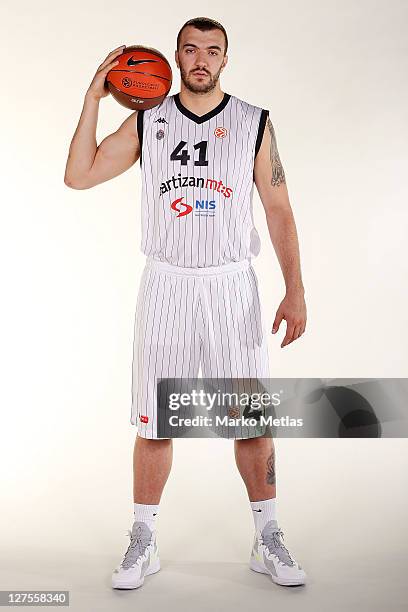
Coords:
pixel 201 151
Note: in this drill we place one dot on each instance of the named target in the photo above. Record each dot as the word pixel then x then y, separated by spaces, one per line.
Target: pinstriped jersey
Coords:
pixel 198 181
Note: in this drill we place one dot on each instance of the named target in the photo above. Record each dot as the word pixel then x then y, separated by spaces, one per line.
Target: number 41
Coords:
pixel 181 154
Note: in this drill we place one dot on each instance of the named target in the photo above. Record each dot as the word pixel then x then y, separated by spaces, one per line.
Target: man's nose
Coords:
pixel 201 60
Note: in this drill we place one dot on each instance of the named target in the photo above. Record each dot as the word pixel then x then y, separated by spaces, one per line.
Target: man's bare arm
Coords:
pixel 88 164
pixel 270 181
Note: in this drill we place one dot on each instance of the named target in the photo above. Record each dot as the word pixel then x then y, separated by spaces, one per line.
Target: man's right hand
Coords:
pixel 98 88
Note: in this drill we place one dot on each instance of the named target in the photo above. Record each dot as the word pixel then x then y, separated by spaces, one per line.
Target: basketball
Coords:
pixel 141 79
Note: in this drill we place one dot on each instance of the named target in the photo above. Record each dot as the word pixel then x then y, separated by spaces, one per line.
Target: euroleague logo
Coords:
pixel 129 82
pixel 202 207
pixel 220 132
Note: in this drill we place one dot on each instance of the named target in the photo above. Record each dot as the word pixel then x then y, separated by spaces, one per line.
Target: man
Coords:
pixel 201 151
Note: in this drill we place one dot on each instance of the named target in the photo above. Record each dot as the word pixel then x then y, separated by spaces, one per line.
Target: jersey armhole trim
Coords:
pixel 261 129
pixel 140 114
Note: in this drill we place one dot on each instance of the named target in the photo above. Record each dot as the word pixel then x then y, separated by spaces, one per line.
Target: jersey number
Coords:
pixel 181 154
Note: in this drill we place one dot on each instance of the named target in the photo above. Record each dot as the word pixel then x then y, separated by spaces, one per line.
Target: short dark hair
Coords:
pixel 204 24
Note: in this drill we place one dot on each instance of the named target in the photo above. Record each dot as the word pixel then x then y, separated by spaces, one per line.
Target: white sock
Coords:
pixel 263 511
pixel 146 513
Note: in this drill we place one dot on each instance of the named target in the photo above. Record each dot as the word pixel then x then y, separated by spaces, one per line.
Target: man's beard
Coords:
pixel 196 87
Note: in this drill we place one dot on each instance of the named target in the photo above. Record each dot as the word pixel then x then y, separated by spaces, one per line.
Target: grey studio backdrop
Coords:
pixel 333 76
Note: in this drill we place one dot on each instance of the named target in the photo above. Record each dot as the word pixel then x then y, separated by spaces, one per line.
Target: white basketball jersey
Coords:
pixel 198 181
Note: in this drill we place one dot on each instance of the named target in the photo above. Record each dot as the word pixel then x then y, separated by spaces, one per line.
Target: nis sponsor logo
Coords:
pixel 202 207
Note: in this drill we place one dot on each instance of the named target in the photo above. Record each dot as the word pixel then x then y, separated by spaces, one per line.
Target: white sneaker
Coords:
pixel 140 560
pixel 270 556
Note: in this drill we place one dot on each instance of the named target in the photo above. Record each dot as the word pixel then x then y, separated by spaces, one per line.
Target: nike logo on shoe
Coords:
pixel 269 564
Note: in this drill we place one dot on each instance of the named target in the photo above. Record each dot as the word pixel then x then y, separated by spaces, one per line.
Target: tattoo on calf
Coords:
pixel 278 174
pixel 270 469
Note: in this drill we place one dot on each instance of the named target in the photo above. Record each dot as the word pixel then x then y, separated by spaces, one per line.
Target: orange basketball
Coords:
pixel 141 79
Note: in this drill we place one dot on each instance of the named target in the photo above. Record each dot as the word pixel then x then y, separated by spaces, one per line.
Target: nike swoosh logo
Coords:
pixel 145 565
pixel 132 62
pixel 269 564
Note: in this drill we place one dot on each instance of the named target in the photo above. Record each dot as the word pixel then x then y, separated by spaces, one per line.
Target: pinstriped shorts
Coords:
pixel 187 318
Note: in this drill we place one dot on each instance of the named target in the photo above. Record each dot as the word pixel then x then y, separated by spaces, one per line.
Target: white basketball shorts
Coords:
pixel 187 317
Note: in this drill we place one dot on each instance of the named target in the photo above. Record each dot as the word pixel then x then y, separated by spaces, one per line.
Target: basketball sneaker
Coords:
pixel 140 560
pixel 270 556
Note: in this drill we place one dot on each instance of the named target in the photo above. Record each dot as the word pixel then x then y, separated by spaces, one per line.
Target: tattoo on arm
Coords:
pixel 270 469
pixel 278 175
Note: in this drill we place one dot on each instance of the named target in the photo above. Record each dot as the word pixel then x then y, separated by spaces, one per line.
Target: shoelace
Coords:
pixel 274 540
pixel 136 548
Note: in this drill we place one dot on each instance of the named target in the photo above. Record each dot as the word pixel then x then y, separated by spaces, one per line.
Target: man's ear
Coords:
pixel 176 58
pixel 224 61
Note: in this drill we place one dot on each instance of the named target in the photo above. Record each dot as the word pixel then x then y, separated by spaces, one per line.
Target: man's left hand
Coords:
pixel 293 310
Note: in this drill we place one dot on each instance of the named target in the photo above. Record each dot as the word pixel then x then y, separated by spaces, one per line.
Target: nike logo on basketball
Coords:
pixel 132 62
